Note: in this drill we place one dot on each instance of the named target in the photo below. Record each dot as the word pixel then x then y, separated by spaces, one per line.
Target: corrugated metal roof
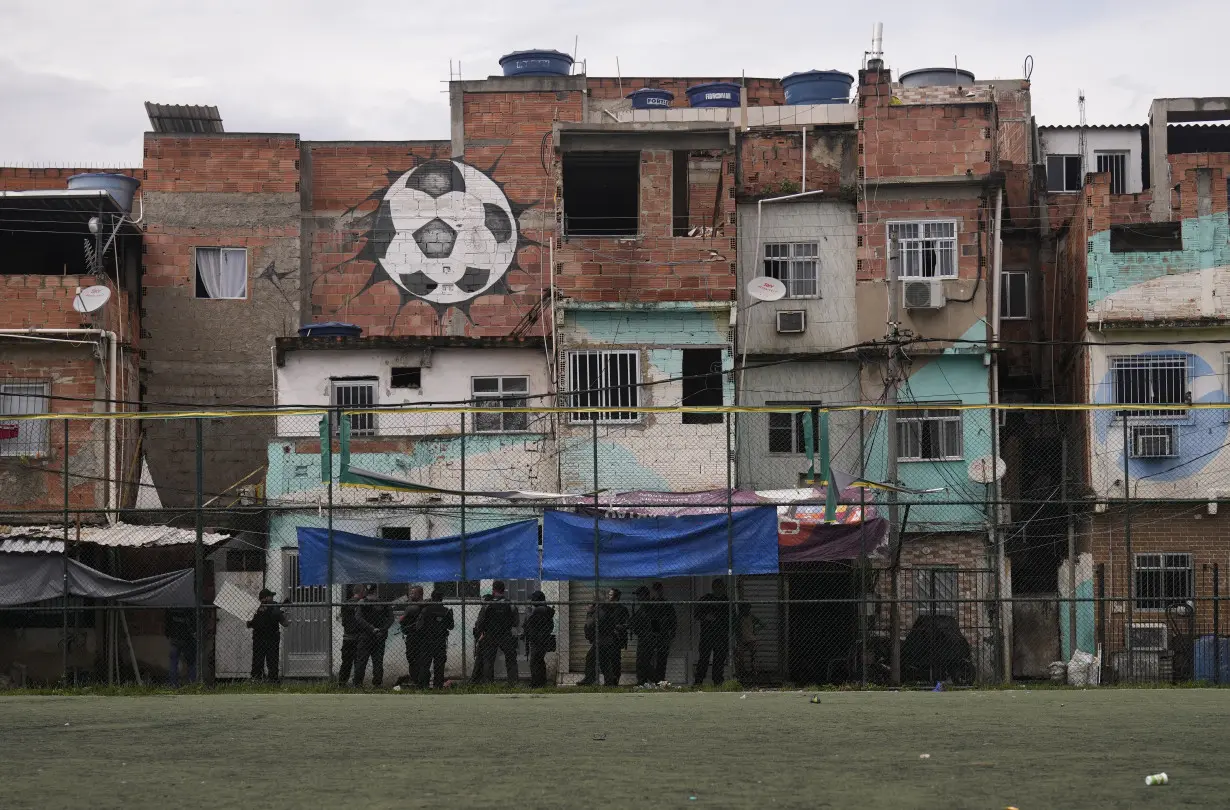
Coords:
pixel 49 539
pixel 183 118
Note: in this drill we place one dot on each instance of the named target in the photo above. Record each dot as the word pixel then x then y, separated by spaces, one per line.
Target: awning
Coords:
pixel 28 578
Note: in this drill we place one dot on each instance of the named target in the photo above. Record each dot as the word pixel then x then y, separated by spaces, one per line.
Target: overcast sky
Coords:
pixel 73 75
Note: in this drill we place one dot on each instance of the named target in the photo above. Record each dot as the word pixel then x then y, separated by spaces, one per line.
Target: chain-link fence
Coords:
pixel 430 547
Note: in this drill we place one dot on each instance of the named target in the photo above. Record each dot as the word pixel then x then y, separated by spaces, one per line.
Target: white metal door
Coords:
pixel 305 641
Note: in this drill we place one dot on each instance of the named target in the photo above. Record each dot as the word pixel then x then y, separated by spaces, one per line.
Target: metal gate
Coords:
pixel 305 642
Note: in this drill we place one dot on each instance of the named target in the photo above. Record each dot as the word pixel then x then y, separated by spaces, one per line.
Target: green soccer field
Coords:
pixel 1042 749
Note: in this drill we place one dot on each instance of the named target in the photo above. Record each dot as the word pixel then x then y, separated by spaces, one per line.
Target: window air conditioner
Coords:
pixel 1150 636
pixel 791 321
pixel 1155 441
pixel 927 293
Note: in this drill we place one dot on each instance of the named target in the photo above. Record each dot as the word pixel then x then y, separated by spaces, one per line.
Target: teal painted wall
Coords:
pixel 1206 243
pixel 946 379
pixel 681 323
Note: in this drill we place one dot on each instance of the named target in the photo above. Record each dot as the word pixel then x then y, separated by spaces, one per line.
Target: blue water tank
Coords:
pixel 1202 659
pixel 536 63
pixel 714 94
pixel 649 98
pixel 120 186
pixel 818 87
pixel 330 329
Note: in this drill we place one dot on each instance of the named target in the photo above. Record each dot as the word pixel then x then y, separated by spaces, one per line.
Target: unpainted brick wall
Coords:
pixel 771 161
pixel 654 266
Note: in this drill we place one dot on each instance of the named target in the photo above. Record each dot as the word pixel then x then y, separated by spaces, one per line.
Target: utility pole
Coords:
pixel 890 421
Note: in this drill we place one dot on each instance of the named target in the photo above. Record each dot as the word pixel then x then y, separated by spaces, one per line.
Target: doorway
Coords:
pixel 820 635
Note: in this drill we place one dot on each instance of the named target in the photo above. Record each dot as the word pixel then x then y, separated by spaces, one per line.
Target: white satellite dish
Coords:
pixel 981 470
pixel 766 289
pixel 91 298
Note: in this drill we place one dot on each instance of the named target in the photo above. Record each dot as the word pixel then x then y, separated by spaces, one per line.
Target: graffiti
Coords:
pixel 445 233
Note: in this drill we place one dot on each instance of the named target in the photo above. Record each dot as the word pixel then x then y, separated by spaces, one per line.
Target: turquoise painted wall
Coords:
pixel 1206 243
pixel 949 378
pixel 648 325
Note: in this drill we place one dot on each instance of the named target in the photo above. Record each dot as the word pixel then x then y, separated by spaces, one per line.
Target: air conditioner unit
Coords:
pixel 791 321
pixel 1148 636
pixel 927 293
pixel 1155 441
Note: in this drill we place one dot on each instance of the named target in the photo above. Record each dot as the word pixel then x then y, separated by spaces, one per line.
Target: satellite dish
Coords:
pixel 981 470
pixel 766 289
pixel 91 298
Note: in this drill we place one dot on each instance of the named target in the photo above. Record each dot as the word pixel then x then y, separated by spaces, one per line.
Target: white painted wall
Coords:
pixel 304 380
pixel 1120 139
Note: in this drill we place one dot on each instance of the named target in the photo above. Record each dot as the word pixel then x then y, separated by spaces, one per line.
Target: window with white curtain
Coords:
pixel 19 397
pixel 928 248
pixel 221 272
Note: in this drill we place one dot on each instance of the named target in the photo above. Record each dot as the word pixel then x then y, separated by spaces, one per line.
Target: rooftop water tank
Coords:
pixel 120 186
pixel 648 98
pixel 714 94
pixel 933 77
pixel 330 329
pixel 536 63
pixel 818 87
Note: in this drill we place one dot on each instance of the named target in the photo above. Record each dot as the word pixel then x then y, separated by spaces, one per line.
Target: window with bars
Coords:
pixel 927 249
pixel 20 397
pixel 604 379
pixel 1148 380
pixel 795 264
pixel 356 393
pixel 1116 164
pixel 1063 173
pixel 1163 579
pixel 932 434
pixel 936 590
pixel 1014 296
pixel 786 434
pixel 500 392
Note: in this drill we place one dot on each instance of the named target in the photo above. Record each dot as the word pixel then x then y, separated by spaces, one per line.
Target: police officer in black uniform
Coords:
pixel 350 634
pixel 409 622
pixel 713 619
pixel 606 628
pixel 374 622
pixel 539 637
pixel 476 675
pixel 645 624
pixel 267 624
pixel 435 622
pixel 496 621
pixel 668 622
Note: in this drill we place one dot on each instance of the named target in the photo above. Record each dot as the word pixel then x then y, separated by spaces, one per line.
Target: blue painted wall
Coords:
pixel 1206 243
pixel 950 378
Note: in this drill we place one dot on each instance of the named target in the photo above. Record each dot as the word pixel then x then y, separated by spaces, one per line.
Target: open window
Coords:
pixel 1146 237
pixel 702 384
pixel 602 193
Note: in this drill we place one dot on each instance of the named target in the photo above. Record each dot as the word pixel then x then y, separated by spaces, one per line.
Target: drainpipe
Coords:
pixel 113 492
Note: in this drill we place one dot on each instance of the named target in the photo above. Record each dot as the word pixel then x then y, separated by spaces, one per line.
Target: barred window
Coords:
pixel 927 249
pixel 1150 379
pixel 929 435
pixel 604 379
pixel 1162 580
pixel 22 398
pixel 786 429
pixel 356 393
pixel 795 264
pixel 936 590
pixel 500 392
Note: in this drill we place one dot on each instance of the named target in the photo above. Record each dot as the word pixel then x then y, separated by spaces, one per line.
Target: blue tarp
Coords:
pixel 643 548
pixel 507 552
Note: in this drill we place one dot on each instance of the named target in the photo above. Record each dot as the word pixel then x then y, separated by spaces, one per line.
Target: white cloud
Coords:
pixel 366 69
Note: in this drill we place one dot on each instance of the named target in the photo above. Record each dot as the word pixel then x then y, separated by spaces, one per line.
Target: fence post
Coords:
pixel 1127 545
pixel 732 638
pixel 1071 529
pixel 464 581
pixel 993 490
pixel 862 553
pixel 327 449
pixel 199 563
pixel 1216 625
pixel 1100 575
pixel 597 570
pixel 64 558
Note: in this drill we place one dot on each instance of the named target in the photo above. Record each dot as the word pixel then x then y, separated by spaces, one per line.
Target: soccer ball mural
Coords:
pixel 445 233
